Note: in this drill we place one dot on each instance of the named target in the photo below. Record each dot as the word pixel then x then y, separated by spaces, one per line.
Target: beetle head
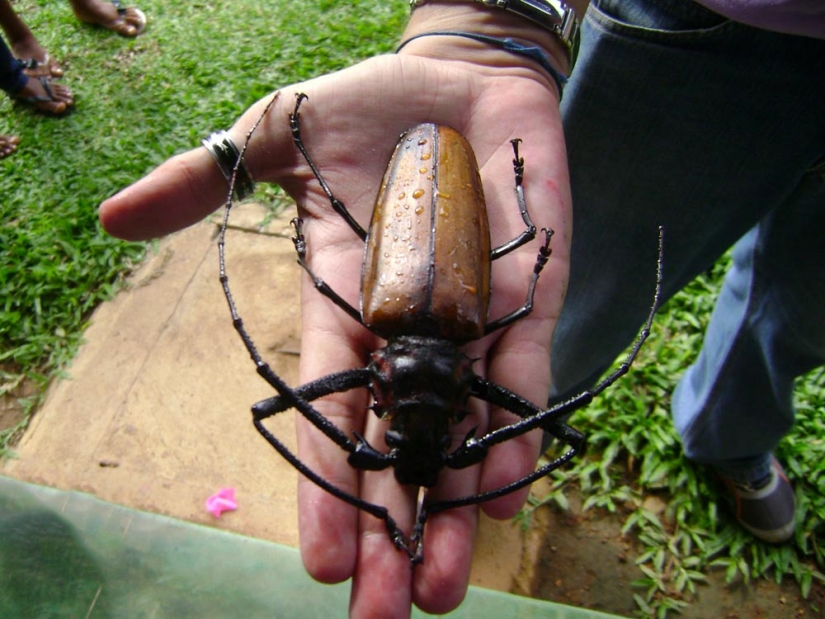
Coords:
pixel 418 440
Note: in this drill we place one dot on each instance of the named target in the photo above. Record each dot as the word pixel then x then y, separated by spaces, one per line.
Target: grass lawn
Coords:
pixel 199 65
pixel 138 102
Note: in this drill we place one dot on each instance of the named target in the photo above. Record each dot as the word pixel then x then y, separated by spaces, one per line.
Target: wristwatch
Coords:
pixel 553 15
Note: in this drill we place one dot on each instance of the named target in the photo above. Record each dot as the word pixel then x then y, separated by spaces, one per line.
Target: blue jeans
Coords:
pixel 675 116
pixel 12 78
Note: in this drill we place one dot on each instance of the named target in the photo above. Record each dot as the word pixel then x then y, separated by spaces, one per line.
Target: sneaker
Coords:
pixel 766 509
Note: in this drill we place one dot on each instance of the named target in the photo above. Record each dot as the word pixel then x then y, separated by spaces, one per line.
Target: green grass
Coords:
pixel 633 453
pixel 197 67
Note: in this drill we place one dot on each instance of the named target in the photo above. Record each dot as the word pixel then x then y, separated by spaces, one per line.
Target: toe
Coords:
pixel 61 93
pixel 8 144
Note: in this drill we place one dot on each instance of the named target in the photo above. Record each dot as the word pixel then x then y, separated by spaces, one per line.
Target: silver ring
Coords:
pixel 226 154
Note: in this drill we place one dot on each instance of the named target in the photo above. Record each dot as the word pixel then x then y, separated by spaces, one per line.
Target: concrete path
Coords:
pixel 155 413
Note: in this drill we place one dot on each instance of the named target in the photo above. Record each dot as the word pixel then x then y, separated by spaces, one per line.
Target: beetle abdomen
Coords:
pixel 427 263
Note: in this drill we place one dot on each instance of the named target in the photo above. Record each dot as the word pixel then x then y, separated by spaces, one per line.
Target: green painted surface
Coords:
pixel 68 554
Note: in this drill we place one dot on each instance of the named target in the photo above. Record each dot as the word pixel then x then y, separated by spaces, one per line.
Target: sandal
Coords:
pixel 130 22
pixel 8 144
pixel 48 103
pixel 41 68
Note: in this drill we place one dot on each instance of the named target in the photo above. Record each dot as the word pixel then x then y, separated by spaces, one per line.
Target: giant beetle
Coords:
pixel 421 380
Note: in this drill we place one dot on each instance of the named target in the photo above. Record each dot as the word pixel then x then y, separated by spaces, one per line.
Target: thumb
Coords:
pixel 189 186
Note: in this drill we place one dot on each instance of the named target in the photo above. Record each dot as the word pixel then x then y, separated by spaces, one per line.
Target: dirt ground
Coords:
pixel 585 561
pixel 155 417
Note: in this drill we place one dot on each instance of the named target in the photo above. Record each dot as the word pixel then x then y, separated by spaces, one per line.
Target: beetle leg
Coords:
pixel 399 539
pixel 334 383
pixel 532 417
pixel 362 455
pixel 530 233
pixel 337 205
pixel 541 260
pixel 551 419
pixel 365 457
pixel 320 285
pixel 474 450
pixel 299 399
pixel 475 499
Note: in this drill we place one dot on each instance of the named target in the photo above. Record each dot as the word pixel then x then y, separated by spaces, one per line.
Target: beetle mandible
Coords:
pixel 426 290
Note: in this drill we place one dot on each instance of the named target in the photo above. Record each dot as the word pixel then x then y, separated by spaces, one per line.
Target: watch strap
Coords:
pixel 553 15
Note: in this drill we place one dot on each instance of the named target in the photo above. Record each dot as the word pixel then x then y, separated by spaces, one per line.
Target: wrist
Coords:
pixel 535 29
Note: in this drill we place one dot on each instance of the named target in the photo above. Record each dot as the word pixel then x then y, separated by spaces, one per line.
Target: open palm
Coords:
pixel 350 125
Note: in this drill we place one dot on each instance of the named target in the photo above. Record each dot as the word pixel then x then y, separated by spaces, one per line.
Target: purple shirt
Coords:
pixel 805 17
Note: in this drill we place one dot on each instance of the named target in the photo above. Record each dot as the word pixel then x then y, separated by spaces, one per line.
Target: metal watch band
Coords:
pixel 554 15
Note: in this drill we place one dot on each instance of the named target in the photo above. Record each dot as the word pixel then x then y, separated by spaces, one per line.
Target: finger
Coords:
pixel 441 580
pixel 179 193
pixel 328 525
pixel 382 584
pixel 520 359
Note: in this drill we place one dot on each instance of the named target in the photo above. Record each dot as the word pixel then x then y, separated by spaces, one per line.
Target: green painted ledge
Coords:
pixel 68 554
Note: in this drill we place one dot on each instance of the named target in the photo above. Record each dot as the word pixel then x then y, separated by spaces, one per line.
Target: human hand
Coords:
pixel 350 125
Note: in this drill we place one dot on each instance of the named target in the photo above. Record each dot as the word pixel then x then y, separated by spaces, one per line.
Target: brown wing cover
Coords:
pixel 427 262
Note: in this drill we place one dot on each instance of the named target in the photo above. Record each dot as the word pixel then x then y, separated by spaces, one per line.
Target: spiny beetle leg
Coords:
pixel 552 418
pixel 337 205
pixel 524 310
pixel 298 239
pixel 397 536
pixel 530 233
pixel 474 450
pixel 293 400
pixel 362 455
pixel 365 457
pixel 475 499
pixel 532 417
pixel 320 285
pixel 333 383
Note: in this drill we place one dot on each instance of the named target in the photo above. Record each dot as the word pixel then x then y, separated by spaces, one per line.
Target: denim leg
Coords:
pixel 677 117
pixel 12 78
pixel 768 327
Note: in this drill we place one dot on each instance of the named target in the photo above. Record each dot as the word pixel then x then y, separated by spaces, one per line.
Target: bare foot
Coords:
pixel 45 95
pixel 127 22
pixel 38 62
pixel 41 67
pixel 8 144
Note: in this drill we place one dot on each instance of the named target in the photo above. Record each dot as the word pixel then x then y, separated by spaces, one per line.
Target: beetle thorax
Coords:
pixel 421 385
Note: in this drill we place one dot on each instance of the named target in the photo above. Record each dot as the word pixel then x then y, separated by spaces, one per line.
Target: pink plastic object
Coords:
pixel 222 501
